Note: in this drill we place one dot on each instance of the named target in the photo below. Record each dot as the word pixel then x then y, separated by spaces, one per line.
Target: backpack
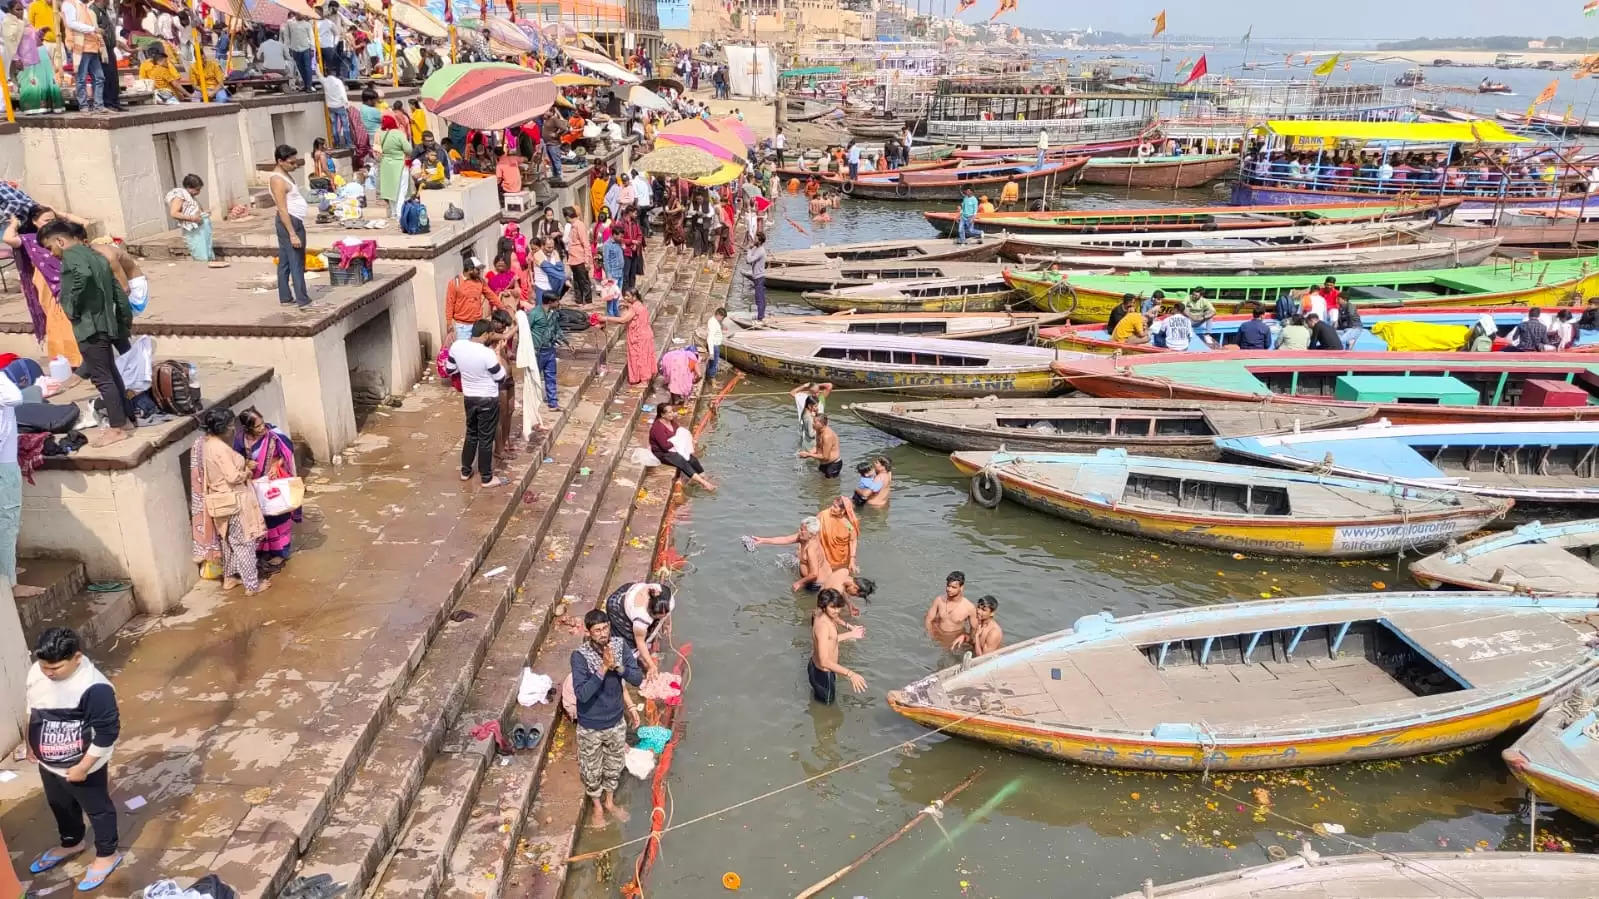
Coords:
pixel 444 375
pixel 1286 308
pixel 414 217
pixel 174 389
pixel 572 320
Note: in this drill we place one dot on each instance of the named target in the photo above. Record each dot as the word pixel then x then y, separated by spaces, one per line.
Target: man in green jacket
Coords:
pixel 544 326
pixel 101 320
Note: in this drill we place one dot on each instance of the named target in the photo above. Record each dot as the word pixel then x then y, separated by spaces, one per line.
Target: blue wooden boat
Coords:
pixel 1269 683
pixel 1534 558
pixel 1532 462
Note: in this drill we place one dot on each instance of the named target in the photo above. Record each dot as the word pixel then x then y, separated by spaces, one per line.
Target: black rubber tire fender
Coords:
pixel 987 491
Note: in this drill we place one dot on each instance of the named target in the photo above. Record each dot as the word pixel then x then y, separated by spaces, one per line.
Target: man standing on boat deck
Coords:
pixel 967 224
pixel 823 668
pixel 950 617
pixel 829 461
pixel 1043 145
pixel 854 156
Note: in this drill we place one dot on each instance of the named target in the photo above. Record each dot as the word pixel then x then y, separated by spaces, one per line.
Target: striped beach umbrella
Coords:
pixel 488 95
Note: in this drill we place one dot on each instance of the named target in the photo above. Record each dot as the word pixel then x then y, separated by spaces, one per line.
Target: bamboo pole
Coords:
pixel 920 816
pixel 199 61
pixel 5 97
pixel 394 53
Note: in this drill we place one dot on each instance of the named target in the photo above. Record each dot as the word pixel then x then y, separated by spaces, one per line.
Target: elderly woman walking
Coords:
pixel 393 149
pixel 224 498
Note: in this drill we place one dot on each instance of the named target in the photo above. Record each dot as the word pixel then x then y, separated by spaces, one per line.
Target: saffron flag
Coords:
pixel 1548 93
pixel 1590 8
pixel 1199 71
pixel 1327 67
pixel 1005 6
pixel 1160 23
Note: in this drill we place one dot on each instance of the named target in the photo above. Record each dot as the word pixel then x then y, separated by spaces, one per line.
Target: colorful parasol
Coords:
pixel 573 79
pixel 731 124
pixel 504 37
pixel 720 143
pixel 412 17
pixel 728 172
pixel 487 95
pixel 679 162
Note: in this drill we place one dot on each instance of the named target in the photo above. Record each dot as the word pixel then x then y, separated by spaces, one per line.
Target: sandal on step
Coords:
pixel 46 861
pixel 92 881
pixel 320 886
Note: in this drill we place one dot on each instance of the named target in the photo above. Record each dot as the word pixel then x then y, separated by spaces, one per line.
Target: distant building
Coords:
pixel 1535 45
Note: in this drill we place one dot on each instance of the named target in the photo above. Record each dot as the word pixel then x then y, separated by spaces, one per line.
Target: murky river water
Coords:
pixel 1027 827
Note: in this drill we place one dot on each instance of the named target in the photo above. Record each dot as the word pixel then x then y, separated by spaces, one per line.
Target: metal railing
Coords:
pixel 1448 182
pixel 999 132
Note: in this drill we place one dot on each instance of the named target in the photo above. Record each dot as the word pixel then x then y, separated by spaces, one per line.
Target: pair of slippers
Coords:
pixel 526 737
pixel 90 881
pixel 320 886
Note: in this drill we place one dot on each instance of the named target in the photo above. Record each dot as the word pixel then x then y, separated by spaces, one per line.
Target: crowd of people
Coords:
pixel 1417 171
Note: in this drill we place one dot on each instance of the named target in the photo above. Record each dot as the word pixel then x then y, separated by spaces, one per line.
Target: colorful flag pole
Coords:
pixel 1200 70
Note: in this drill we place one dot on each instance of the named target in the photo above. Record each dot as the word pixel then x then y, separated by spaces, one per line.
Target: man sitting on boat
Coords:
pixel 1176 332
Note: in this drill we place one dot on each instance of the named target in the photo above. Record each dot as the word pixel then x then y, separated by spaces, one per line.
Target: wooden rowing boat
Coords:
pixel 1541 463
pixel 948 183
pixel 1398 258
pixel 1558 757
pixel 1408 388
pixel 1092 148
pixel 1095 338
pixel 1534 559
pixel 1234 508
pixel 983 294
pixel 1001 327
pixel 1414 875
pixel 1580 236
pixel 836 274
pixel 916 366
pixel 832 177
pixel 1250 240
pixel 1178 428
pixel 1196 218
pixel 887 251
pixel 1265 684
pixel 1091 296
pixel 1159 172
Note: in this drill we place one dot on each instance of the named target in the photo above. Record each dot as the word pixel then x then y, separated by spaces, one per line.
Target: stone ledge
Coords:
pixel 140 117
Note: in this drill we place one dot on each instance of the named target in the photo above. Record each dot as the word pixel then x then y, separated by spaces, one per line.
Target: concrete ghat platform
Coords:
pixel 436 255
pixel 121 509
pixel 248 720
pixel 233 313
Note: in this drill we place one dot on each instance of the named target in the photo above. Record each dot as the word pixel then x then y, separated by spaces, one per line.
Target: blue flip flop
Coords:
pixel 46 861
pixel 90 882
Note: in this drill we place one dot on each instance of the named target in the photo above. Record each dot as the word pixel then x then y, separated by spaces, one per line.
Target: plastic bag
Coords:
pixel 535 688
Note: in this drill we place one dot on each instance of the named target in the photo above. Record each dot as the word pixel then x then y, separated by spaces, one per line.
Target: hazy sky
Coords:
pixel 1373 19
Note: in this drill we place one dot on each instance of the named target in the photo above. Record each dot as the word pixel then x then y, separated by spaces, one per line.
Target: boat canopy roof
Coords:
pixel 1480 131
pixel 811 70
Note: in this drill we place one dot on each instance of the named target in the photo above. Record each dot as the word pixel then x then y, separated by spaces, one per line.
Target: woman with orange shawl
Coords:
pixel 840 534
pixel 597 190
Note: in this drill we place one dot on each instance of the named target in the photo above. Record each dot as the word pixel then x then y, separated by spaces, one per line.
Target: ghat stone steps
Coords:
pixel 470 815
pixel 429 736
pixel 64 600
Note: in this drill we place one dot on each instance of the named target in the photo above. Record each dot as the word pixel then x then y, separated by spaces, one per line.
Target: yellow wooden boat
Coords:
pixel 988 293
pixel 1558 759
pixel 1089 297
pixel 1278 683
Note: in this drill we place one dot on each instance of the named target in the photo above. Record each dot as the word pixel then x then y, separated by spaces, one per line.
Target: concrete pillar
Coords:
pixel 14 662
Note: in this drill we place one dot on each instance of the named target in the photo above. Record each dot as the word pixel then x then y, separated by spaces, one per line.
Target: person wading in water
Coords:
pixel 827 631
pixel 950 617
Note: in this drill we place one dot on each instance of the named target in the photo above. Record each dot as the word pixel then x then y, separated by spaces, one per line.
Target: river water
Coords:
pixel 1027 827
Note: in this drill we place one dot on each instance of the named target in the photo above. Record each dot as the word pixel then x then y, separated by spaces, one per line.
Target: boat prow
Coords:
pixel 1558 757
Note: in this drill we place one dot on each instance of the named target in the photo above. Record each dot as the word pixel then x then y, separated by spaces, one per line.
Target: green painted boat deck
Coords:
pixel 1226 375
pixel 1478 279
pixel 1438 390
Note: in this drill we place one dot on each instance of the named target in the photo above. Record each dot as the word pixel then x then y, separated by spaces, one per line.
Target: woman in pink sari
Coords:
pixel 640 337
pixel 681 368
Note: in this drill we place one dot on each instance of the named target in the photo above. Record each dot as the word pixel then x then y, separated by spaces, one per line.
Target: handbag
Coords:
pixel 222 505
pixel 278 496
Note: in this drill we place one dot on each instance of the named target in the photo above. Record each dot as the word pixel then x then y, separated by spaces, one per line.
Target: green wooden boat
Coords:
pixel 1091 297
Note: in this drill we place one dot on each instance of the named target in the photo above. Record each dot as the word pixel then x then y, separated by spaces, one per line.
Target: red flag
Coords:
pixel 1005 6
pixel 963 5
pixel 1199 71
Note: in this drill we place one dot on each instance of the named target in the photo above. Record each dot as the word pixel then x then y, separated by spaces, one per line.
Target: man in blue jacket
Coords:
pixel 599 666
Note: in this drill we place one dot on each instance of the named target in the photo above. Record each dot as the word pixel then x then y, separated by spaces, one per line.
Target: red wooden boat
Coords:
pixel 1099 148
pixel 1160 172
pixel 1196 218
pixel 1407 388
pixel 947 184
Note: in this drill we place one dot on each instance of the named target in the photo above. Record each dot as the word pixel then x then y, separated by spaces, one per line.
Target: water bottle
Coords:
pixel 60 369
pixel 194 376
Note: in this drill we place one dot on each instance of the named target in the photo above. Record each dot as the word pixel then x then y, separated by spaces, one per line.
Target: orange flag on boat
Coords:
pixel 1548 93
pixel 1199 71
pixel 1588 66
pixel 1005 6
pixel 1160 23
pixel 964 5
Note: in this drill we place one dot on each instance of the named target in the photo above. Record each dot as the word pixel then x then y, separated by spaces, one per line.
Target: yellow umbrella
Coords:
pixel 573 79
pixel 728 172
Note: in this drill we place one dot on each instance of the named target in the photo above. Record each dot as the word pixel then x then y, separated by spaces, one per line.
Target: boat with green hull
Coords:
pixel 1091 297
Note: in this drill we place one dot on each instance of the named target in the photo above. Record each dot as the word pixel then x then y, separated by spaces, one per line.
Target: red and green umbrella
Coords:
pixel 488 96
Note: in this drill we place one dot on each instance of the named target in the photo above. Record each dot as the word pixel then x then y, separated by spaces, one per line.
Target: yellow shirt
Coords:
pixel 1131 325
pixel 163 76
pixel 985 207
pixel 213 76
pixel 41 15
pixel 1011 193
pixel 419 124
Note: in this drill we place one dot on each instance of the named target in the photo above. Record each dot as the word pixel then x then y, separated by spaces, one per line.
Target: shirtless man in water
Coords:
pixel 829 461
pixel 812 560
pixel 850 585
pixel 950 617
pixel 827 631
pixel 986 635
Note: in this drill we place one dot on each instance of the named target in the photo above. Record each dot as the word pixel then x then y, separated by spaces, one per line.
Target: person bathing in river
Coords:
pixel 949 619
pixel 867 488
pixel 986 635
pixel 851 586
pixel 829 461
pixel 885 475
pixel 840 534
pixel 812 560
pixel 810 400
pixel 827 631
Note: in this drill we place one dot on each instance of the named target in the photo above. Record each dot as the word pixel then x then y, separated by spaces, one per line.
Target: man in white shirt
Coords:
pixel 480 371
pixel 329 35
pixel 272 57
pixel 779 144
pixel 854 160
pixel 644 199
pixel 338 101
pixel 299 37
pixel 714 338
pixel 1043 146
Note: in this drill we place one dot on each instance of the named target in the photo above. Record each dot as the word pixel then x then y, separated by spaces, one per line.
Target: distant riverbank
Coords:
pixel 1467 57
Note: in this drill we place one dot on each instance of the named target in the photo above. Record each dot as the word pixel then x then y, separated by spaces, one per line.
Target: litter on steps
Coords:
pixel 535 689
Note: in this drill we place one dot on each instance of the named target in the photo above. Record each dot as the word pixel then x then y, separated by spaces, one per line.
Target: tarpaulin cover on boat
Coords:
pixel 1413 132
pixel 1421 337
